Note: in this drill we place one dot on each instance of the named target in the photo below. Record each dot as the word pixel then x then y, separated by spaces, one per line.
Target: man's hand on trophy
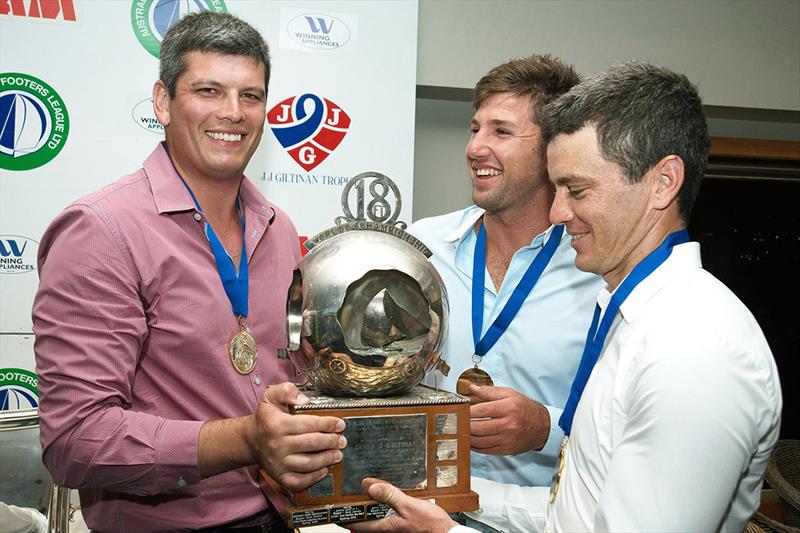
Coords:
pixel 295 450
pixel 408 515
pixel 505 422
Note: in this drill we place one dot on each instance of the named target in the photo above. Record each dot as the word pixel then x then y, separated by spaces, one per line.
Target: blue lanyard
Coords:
pixel 518 296
pixel 597 337
pixel 235 284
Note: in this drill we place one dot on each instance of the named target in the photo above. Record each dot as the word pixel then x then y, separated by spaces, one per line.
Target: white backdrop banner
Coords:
pixel 75 114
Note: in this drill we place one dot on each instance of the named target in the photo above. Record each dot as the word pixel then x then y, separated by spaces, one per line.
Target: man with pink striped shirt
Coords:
pixel 161 391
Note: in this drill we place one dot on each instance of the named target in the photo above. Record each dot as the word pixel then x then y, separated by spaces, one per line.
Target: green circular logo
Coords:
pixel 152 18
pixel 18 389
pixel 34 122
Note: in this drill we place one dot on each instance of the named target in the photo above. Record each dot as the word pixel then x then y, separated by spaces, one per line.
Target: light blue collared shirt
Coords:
pixel 539 353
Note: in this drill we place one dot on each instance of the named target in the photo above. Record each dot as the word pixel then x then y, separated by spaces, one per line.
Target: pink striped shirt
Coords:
pixel 132 331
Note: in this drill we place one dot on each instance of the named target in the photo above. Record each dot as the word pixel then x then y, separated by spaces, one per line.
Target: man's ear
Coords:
pixel 668 176
pixel 161 101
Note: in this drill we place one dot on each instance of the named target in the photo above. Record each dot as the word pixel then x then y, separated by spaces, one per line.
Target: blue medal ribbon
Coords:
pixel 235 284
pixel 596 338
pixel 518 296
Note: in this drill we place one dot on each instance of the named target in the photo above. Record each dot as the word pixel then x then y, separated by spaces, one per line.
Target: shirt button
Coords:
pixel 181 482
pixel 257 380
pixel 198 217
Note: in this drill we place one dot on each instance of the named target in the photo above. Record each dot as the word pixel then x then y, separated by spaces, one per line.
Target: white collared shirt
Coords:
pixel 677 421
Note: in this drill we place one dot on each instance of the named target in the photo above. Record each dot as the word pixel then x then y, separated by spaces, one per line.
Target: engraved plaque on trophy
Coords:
pixel 366 315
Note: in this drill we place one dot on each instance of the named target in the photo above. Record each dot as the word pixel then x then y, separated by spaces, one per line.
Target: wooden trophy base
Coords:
pixel 419 442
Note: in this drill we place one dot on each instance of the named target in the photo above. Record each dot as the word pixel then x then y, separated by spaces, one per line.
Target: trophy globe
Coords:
pixel 366 312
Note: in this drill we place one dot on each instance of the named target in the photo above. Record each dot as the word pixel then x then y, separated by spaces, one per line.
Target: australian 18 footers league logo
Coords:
pixel 34 122
pixel 152 18
pixel 308 127
pixel 18 389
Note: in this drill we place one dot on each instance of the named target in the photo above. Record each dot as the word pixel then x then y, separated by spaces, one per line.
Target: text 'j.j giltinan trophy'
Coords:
pixel 366 316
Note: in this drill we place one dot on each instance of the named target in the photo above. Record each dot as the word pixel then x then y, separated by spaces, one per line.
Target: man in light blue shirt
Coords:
pixel 515 438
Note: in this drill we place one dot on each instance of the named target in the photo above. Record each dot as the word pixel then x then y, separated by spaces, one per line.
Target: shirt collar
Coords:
pixel 171 196
pixel 470 217
pixel 684 257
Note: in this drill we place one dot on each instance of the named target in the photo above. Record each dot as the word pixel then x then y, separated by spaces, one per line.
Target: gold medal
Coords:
pixel 472 375
pixel 243 352
pixel 559 470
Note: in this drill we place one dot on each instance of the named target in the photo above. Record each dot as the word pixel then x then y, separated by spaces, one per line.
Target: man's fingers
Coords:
pixel 284 395
pixel 302 424
pixel 490 393
pixel 308 462
pixel 388 494
pixel 485 428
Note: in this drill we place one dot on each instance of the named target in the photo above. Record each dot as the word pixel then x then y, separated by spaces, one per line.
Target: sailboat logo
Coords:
pixel 152 18
pixel 33 122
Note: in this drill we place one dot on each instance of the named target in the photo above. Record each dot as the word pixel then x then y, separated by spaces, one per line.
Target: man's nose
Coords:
pixel 560 212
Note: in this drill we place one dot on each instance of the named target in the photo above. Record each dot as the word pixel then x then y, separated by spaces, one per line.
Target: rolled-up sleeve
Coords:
pixel 90 326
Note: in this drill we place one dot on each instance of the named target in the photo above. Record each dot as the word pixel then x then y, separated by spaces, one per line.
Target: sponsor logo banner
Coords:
pixel 308 127
pixel 144 116
pixel 152 18
pixel 34 123
pixel 49 10
pixel 17 254
pixel 316 31
pixel 18 389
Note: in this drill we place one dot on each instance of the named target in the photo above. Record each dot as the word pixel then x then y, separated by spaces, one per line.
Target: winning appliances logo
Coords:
pixel 34 122
pixel 17 254
pixel 319 31
pixel 308 127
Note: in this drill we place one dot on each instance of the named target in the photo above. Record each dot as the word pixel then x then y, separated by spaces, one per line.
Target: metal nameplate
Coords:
pixel 323 487
pixel 377 510
pixel 361 225
pixel 446 424
pixel 446 476
pixel 392 448
pixel 446 450
pixel 309 518
pixel 350 513
pixel 419 395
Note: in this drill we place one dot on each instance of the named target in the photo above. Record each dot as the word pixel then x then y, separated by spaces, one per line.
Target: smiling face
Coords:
pixel 215 121
pixel 504 154
pixel 610 220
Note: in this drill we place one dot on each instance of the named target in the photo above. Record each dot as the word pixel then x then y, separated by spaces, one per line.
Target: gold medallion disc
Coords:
pixel 559 471
pixel 243 352
pixel 469 376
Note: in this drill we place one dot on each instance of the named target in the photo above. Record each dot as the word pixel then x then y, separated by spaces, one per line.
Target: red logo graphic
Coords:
pixel 45 9
pixel 308 127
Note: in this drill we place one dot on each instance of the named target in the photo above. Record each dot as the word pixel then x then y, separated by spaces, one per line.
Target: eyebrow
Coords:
pixel 205 81
pixel 571 181
pixel 496 122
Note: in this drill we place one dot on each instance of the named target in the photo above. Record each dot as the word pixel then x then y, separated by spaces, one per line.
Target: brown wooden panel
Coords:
pixel 755 148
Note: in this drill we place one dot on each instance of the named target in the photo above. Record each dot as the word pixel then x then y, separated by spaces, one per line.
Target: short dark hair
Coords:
pixel 209 31
pixel 642 113
pixel 541 77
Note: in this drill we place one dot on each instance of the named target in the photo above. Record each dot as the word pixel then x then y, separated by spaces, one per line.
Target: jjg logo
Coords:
pixel 34 123
pixel 17 254
pixel 308 127
pixel 18 389
pixel 322 32
pixel 152 18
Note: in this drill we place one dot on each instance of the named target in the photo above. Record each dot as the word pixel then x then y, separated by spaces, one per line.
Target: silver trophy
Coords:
pixel 366 311
pixel 366 315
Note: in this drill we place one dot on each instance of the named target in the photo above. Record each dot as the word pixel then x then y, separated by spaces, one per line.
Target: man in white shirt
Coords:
pixel 679 414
